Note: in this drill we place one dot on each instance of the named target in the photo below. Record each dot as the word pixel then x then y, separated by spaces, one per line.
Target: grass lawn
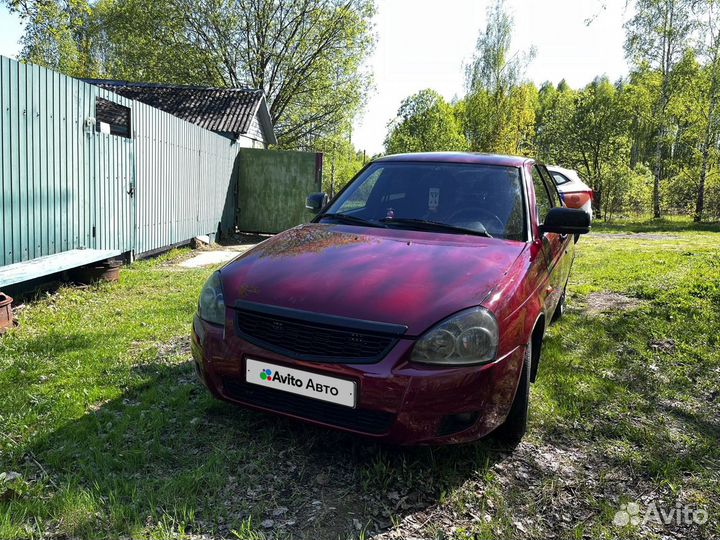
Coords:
pixel 111 436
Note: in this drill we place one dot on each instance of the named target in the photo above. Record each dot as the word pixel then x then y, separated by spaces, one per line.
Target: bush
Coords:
pixel 678 193
pixel 627 191
pixel 712 196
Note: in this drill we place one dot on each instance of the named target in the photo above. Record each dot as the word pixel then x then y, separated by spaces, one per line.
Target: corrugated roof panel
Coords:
pixel 227 110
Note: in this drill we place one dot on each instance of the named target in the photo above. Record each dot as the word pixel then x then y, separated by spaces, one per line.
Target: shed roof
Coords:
pixel 223 110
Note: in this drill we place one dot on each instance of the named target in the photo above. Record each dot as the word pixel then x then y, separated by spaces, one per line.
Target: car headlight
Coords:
pixel 211 306
pixel 469 337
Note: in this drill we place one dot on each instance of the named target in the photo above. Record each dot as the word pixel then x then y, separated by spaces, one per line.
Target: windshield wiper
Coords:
pixel 350 220
pixel 426 225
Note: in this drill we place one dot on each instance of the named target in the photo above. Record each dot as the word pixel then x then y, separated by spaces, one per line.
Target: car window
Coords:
pixel 474 196
pixel 542 198
pixel 358 199
pixel 560 179
pixel 551 187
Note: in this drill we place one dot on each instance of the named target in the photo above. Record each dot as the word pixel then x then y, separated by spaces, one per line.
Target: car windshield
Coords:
pixel 485 199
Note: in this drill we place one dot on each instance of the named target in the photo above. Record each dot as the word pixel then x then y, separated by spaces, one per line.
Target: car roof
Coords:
pixel 571 174
pixel 560 169
pixel 458 157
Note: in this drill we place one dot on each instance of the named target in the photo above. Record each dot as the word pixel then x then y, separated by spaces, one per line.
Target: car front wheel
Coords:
pixel 512 430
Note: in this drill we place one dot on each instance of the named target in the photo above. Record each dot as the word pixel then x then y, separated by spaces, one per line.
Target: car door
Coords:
pixel 554 246
pixel 566 248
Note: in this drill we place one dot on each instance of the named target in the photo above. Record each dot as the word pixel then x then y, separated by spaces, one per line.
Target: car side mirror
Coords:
pixel 316 201
pixel 566 221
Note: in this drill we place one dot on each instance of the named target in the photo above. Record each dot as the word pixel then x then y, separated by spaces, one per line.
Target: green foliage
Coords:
pixel 56 34
pixel 627 190
pixel 555 112
pixel 501 122
pixel 425 123
pixel 658 35
pixel 494 68
pixel 341 161
pixel 498 113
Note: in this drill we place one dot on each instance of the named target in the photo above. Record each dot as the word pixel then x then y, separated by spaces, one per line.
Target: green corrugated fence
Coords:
pixel 67 186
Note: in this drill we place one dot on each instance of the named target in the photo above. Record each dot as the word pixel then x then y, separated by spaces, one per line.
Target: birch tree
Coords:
pixel 710 51
pixel 658 36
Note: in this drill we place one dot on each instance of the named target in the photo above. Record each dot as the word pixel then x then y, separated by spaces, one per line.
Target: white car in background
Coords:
pixel 574 192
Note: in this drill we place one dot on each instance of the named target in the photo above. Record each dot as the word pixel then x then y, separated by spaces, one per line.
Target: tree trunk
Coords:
pixel 597 202
pixel 656 174
pixel 656 197
pixel 700 203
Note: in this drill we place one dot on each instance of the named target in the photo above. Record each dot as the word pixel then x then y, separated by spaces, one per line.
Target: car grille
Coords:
pixel 363 420
pixel 308 336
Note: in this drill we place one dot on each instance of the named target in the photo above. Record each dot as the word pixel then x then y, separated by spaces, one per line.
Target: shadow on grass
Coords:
pixel 627 396
pixel 165 457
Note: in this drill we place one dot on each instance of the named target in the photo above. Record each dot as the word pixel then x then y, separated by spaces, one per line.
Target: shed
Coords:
pixel 88 174
pixel 241 114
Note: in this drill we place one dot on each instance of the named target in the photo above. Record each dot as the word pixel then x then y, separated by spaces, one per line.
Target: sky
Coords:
pixel 425 44
pixel 10 32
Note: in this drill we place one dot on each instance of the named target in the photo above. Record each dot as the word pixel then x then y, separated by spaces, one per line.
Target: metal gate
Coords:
pixel 272 186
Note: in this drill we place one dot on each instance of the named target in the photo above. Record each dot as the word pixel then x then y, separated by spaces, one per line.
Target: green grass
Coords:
pixel 101 416
pixel 648 225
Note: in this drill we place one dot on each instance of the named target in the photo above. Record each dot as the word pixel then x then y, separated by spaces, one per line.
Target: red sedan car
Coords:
pixel 412 309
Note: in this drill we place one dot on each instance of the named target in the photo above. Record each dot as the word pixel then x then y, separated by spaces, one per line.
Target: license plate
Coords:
pixel 300 382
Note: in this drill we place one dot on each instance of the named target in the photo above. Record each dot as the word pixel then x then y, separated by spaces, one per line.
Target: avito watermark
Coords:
pixel 680 514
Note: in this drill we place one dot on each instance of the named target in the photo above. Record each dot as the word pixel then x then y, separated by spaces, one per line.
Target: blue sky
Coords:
pixel 425 43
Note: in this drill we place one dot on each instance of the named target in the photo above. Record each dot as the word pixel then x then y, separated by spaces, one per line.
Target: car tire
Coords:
pixel 511 431
pixel 560 308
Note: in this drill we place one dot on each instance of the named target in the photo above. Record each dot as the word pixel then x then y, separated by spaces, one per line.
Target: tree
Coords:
pixel 499 111
pixel 710 50
pixel 425 123
pixel 56 33
pixel 341 161
pixel 492 67
pixel 306 55
pixel 657 36
pixel 598 134
pixel 554 124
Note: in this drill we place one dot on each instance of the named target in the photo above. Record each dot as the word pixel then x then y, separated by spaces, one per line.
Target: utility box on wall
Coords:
pixel 272 186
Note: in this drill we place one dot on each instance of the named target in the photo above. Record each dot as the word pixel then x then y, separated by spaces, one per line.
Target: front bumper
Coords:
pixel 398 401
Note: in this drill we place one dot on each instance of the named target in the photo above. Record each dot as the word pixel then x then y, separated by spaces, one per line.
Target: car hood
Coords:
pixel 386 275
